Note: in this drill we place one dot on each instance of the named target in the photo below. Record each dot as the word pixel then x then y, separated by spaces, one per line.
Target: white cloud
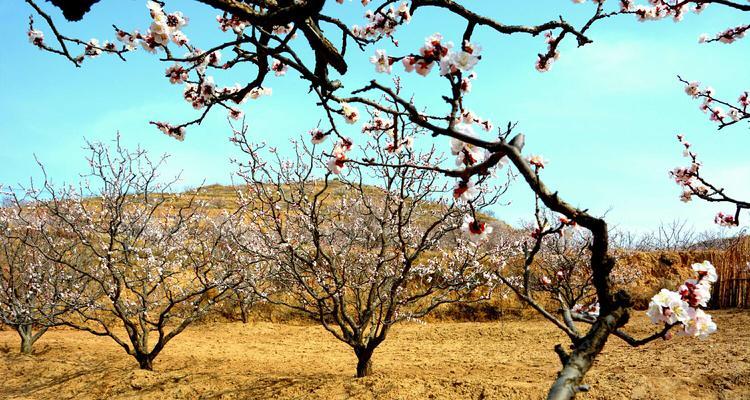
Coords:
pixel 623 66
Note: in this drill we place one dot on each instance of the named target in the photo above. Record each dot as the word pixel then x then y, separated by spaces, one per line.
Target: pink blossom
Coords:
pixel 36 37
pixel 317 136
pixel 725 219
pixel 477 231
pixel 176 74
pixel 464 190
pixel 279 68
pixel 235 113
pixel 537 161
pixel 177 132
pixel 337 163
pixel 382 62
pixel 351 114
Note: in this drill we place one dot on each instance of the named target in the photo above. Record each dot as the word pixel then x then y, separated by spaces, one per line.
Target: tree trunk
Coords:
pixel 578 363
pixel 27 338
pixel 364 362
pixel 145 362
pixel 243 313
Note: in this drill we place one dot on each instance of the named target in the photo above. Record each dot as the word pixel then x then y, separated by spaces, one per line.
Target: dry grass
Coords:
pixel 499 360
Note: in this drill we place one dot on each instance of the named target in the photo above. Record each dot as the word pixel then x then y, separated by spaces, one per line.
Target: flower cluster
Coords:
pixel 177 132
pixel 382 22
pixel 693 184
pixel 205 93
pixel 200 93
pixel 431 52
pixel 36 37
pixel 129 40
pixel 468 117
pixel 227 22
pixel 176 74
pixel 452 62
pixel 378 124
pixel 463 60
pixel 94 49
pixel 282 30
pixel 467 154
pixel 91 49
pixel 544 61
pixel 337 162
pixel 728 36
pixel 683 306
pixel 716 113
pixel 688 177
pixel 660 9
pixel 725 219
pixel 164 28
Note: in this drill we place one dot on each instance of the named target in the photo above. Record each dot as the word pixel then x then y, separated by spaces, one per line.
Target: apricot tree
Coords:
pixel 376 246
pixel 154 261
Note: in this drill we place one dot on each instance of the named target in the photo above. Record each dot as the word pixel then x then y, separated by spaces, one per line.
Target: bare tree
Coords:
pixel 672 236
pixel 155 260
pixel 367 250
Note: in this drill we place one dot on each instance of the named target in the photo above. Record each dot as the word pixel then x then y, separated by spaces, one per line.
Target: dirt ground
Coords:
pixel 499 360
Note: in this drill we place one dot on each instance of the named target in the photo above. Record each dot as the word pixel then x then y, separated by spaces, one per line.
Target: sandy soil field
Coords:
pixel 499 360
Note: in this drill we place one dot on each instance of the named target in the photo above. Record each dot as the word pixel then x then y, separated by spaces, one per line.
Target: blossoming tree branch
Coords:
pixel 262 36
pixel 724 113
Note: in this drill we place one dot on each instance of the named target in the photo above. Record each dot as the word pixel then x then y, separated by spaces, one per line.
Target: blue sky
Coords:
pixel 605 116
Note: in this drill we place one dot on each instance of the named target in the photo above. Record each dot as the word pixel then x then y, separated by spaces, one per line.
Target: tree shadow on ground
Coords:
pixel 30 390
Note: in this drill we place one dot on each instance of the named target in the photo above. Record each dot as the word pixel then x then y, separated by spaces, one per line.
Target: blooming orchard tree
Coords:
pixel 260 36
pixel 156 261
pixel 244 296
pixel 557 255
pixel 34 291
pixel 563 270
pixel 359 258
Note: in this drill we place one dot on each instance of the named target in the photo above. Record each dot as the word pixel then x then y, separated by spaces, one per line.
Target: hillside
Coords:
pixel 223 197
pixel 654 269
